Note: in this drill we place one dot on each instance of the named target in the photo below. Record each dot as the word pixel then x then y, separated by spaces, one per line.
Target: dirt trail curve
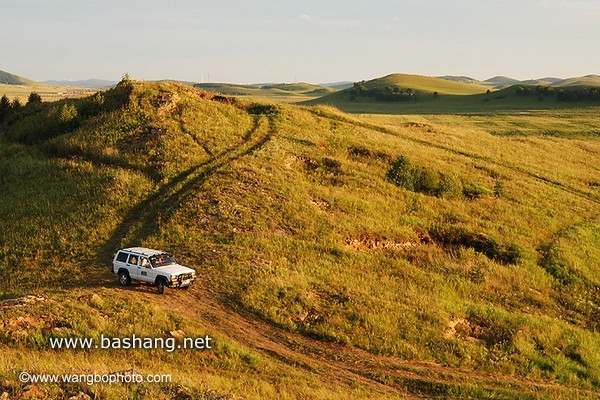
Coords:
pixel 340 365
pixel 142 219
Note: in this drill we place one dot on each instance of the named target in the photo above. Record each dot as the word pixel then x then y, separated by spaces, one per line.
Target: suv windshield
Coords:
pixel 162 260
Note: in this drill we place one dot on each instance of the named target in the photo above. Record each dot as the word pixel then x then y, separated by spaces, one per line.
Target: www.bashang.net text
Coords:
pixel 169 344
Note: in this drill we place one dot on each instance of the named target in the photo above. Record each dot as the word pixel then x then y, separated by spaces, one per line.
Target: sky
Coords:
pixel 324 41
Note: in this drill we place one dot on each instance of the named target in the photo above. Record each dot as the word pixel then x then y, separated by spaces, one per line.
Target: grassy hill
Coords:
pixel 339 256
pixel 288 92
pixel 588 80
pixel 414 94
pixel 17 87
pixel 10 79
pixel 426 84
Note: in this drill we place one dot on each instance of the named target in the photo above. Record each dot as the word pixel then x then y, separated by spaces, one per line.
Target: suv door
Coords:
pixel 132 266
pixel 145 271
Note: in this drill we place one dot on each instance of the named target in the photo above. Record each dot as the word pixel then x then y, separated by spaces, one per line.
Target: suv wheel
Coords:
pixel 124 278
pixel 160 285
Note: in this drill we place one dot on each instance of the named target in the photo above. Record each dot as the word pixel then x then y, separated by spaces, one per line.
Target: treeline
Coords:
pixel 387 93
pixel 573 94
pixel 36 121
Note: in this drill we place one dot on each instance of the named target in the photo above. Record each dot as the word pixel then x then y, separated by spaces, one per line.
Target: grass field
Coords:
pixel 283 92
pixel 369 255
pixel 441 96
pixel 48 93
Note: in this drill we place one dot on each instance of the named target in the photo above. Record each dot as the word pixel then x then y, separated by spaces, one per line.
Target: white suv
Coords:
pixel 153 266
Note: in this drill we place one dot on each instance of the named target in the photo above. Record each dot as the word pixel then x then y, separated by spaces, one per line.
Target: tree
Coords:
pixel 34 98
pixel 4 107
pixel 68 117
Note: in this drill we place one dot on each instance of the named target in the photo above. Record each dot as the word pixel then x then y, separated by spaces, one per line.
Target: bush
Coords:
pixel 480 242
pixel 34 98
pixel 423 180
pixel 34 124
pixel 402 173
pixel 475 190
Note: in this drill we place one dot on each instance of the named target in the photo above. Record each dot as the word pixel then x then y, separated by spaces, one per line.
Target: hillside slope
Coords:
pixel 415 94
pixel 11 79
pixel 288 92
pixel 338 256
pixel 15 87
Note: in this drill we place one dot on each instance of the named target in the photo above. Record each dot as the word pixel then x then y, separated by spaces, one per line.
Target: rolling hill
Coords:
pixel 86 83
pixel 501 82
pixel 17 87
pixel 410 94
pixel 7 78
pixel 339 256
pixel 281 91
pixel 588 80
pixel 426 84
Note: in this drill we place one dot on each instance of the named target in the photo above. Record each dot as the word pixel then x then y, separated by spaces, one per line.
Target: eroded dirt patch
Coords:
pixel 376 243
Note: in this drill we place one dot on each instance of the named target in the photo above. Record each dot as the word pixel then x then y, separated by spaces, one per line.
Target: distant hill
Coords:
pixel 404 93
pixel 286 90
pixel 501 81
pixel 548 81
pixel 338 85
pixel 463 79
pixel 395 88
pixel 427 84
pixel 587 80
pixel 87 83
pixel 11 79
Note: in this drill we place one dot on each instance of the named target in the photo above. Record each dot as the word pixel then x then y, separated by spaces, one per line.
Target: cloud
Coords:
pixel 306 18
pixel 583 9
pixel 341 23
pixel 331 21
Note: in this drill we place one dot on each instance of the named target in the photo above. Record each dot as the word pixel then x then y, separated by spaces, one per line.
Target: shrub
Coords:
pixel 4 107
pixel 402 173
pixel 91 106
pixel 480 242
pixel 34 98
pixel 424 180
pixel 474 190
pixel 499 190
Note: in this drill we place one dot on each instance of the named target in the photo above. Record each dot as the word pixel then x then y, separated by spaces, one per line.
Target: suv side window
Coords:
pixel 122 257
pixel 144 262
pixel 133 259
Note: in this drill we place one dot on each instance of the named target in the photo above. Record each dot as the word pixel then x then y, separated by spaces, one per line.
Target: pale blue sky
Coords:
pixel 287 41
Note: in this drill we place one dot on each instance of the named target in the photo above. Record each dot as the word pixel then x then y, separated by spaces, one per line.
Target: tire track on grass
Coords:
pixel 469 155
pixel 142 219
pixel 340 365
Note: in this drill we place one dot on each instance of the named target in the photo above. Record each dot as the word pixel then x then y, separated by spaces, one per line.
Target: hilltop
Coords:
pixel 86 83
pixel 11 79
pixel 275 91
pixel 339 256
pixel 501 82
pixel 17 87
pixel 411 94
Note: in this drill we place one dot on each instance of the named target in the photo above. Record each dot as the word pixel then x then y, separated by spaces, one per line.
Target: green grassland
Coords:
pixel 415 94
pixel 47 92
pixel 375 255
pixel 280 92
pixel 17 87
